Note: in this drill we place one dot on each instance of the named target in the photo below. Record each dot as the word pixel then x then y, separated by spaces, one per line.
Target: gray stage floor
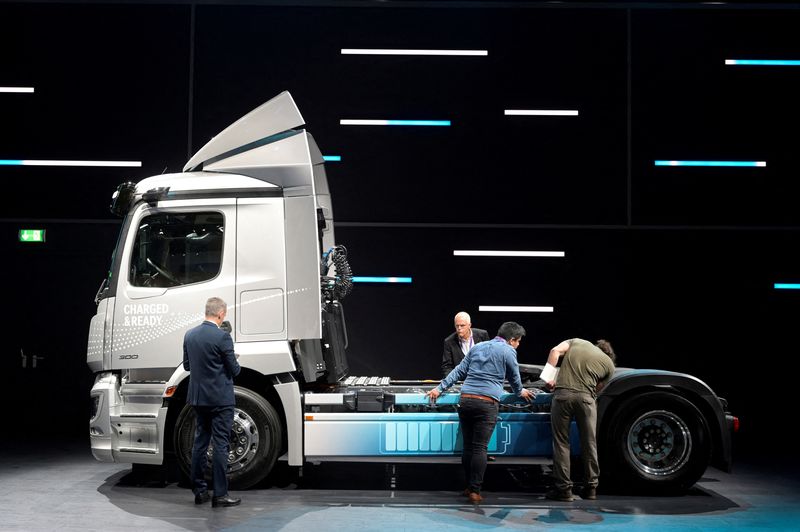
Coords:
pixel 64 488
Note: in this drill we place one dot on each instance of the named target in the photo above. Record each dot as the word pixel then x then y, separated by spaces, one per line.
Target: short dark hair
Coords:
pixel 605 347
pixel 510 329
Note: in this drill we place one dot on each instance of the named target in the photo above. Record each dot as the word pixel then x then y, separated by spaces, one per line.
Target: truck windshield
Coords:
pixel 174 249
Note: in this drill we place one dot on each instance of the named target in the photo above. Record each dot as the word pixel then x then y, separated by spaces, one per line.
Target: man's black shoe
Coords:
pixel 559 495
pixel 225 501
pixel 200 498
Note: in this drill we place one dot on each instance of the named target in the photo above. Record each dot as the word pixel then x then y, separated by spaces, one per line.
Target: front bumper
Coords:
pixel 128 421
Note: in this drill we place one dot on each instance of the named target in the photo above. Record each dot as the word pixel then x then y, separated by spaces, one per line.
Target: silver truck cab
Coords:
pixel 249 220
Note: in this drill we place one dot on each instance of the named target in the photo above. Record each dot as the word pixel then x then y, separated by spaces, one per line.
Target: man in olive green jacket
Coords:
pixel 584 370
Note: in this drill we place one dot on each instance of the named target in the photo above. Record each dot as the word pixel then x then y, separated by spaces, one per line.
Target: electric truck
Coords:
pixel 250 220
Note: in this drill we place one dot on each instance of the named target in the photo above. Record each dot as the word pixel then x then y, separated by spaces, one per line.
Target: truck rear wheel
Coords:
pixel 656 442
pixel 255 440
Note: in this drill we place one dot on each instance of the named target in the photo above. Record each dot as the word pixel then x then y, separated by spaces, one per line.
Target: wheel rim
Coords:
pixel 659 443
pixel 243 443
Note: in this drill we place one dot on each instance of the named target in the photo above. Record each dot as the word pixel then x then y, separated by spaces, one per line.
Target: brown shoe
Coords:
pixel 474 498
pixel 589 492
pixel 559 495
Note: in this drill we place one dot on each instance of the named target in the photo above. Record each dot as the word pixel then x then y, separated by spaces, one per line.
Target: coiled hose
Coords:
pixel 338 287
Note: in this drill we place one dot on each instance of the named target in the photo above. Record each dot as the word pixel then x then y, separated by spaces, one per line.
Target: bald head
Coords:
pixel 463 325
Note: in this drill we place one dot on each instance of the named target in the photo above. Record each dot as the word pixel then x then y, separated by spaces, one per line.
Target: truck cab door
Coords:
pixel 176 256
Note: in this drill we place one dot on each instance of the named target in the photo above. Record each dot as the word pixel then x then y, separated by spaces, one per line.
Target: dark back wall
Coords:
pixel 674 265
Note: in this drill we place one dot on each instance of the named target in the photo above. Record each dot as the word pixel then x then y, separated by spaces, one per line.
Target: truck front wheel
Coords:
pixel 255 439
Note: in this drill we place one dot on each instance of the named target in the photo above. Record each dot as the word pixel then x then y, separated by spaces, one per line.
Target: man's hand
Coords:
pixel 550 385
pixel 526 394
pixel 433 394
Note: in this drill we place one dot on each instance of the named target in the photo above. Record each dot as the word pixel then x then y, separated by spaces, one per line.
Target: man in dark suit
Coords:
pixel 460 342
pixel 208 355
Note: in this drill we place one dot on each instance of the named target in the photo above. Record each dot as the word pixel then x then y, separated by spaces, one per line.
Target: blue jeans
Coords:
pixel 214 424
pixel 478 419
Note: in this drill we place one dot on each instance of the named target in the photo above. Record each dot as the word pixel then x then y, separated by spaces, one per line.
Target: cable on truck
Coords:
pixel 335 288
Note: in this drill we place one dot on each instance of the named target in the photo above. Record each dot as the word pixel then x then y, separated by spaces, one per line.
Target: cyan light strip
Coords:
pixel 41 162
pixel 500 253
pixel 787 286
pixel 391 51
pixel 422 399
pixel 332 158
pixel 359 122
pixel 27 90
pixel 506 308
pixel 453 399
pixel 712 163
pixel 541 112
pixel 381 279
pixel 763 62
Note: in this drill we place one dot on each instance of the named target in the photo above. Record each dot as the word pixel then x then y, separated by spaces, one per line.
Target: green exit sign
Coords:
pixel 31 235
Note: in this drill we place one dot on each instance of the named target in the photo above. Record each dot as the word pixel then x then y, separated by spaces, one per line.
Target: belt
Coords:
pixel 480 397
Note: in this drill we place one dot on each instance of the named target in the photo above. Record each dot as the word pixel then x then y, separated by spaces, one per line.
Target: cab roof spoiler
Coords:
pixel 264 144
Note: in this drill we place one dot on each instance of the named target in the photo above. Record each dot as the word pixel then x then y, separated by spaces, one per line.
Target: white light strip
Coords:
pixel 17 89
pixel 42 162
pixel 541 112
pixel 389 51
pixel 357 122
pixel 489 253
pixel 496 308
pixel 391 122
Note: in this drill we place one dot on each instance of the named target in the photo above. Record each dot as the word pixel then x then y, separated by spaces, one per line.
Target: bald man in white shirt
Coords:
pixel 460 342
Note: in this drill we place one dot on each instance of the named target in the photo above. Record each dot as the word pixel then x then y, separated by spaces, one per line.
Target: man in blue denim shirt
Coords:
pixel 483 370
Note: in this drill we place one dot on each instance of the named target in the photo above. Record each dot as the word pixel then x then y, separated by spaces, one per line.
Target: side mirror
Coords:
pixel 122 199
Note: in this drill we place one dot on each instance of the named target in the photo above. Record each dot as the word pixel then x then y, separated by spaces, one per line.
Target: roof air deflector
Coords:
pixel 278 115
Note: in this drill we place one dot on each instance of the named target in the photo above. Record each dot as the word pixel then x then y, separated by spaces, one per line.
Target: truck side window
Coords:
pixel 174 249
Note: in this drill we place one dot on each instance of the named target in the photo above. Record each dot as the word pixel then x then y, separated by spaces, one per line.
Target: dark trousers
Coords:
pixel 568 404
pixel 214 425
pixel 478 419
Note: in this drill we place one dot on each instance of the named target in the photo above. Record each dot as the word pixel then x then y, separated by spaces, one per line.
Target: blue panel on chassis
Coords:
pixel 424 434
pixel 420 437
pixel 453 398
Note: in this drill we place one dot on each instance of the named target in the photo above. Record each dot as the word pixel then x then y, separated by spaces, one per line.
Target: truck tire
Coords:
pixel 656 442
pixel 255 441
